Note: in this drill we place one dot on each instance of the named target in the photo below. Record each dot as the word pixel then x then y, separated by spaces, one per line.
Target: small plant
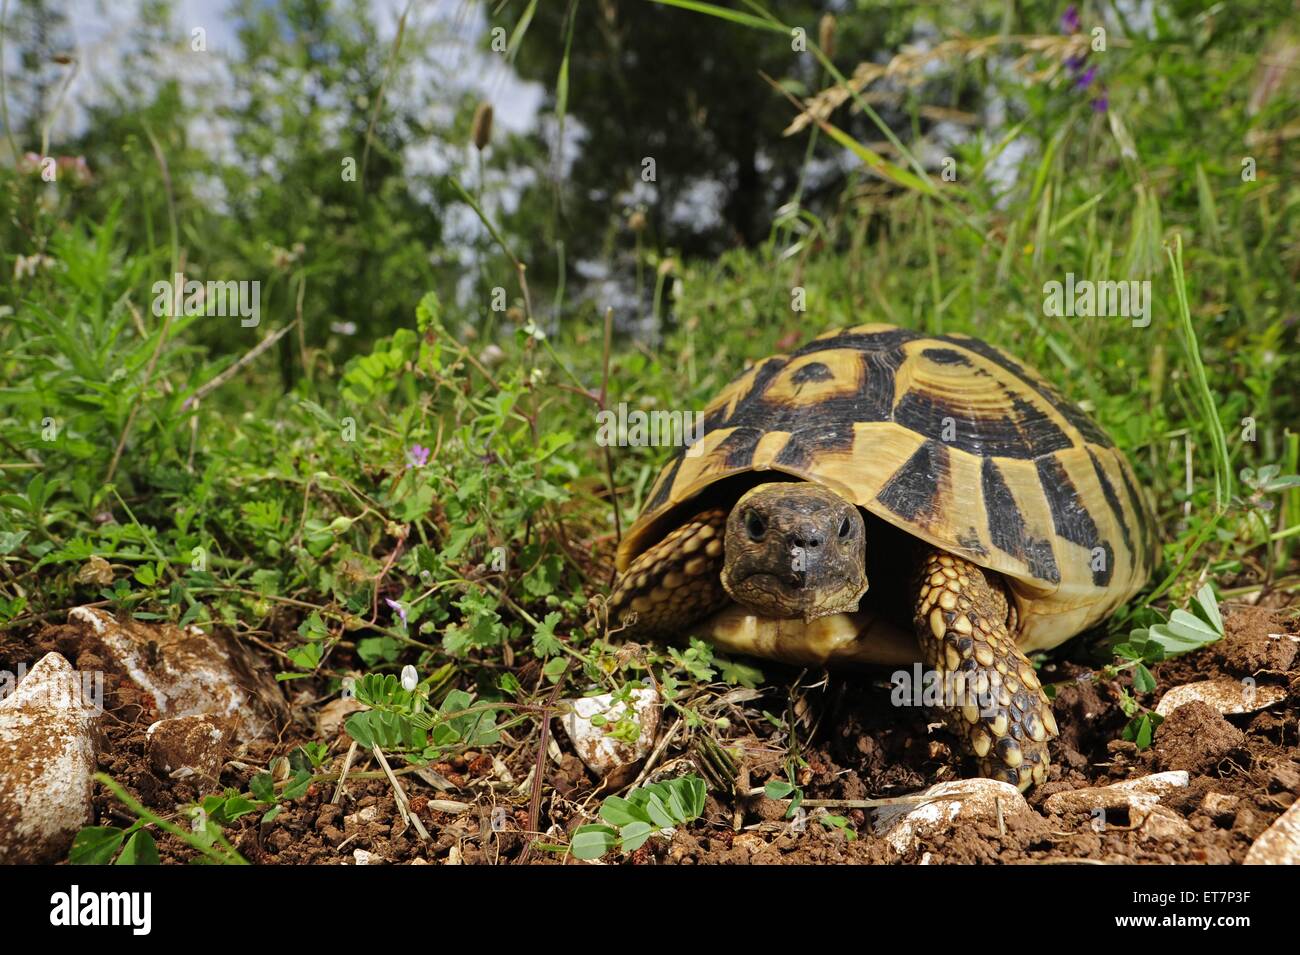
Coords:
pixel 1183 633
pixel 98 845
pixel 401 720
pixel 784 789
pixel 840 823
pixel 647 811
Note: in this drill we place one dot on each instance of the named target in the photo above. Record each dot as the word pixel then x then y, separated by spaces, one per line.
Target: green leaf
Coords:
pixel 592 842
pixel 1209 607
pixel 1143 681
pixel 658 812
pixel 297 785
pixel 95 845
pixel 262 786
pixel 1183 633
pixel 634 835
pixel 140 849
pixel 545 643
pixel 234 807
pixel 723 13
pixel 620 812
pixel 1128 651
pixel 778 789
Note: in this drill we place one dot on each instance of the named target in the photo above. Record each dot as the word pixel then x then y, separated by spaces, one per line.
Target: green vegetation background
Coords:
pixel 173 467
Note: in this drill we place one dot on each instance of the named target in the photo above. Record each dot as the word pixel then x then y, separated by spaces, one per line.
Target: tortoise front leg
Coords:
pixel 675 583
pixel 992 698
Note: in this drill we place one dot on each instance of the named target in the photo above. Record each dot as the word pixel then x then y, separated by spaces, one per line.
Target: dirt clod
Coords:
pixel 1195 737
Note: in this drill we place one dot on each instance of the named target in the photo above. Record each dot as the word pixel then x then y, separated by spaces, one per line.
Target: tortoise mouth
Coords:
pixel 787 597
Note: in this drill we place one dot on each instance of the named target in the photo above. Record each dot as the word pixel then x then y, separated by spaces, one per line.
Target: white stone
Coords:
pixel 186 671
pixel 361 817
pixel 1162 823
pixel 1279 844
pixel 948 805
pixel 600 752
pixel 1137 796
pixel 1219 804
pixel 48 741
pixel 1226 695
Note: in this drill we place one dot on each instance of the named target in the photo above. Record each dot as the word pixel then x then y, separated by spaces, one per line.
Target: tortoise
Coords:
pixel 991 517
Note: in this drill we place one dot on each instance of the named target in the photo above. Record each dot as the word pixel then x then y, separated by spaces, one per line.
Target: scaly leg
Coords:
pixel 993 700
pixel 675 583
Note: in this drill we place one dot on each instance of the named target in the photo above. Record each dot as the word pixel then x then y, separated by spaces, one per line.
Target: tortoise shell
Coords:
pixel 947 438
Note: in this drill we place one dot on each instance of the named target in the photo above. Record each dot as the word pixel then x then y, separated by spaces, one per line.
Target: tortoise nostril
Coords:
pixel 808 540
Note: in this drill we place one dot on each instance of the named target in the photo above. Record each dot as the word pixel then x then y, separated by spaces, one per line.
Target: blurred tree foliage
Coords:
pixel 271 156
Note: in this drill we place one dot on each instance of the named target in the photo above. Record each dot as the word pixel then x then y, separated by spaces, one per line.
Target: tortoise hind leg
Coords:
pixel 992 698
pixel 676 582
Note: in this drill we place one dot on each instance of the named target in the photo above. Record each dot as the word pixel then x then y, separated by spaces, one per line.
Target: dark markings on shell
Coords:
pixel 913 492
pixel 738 447
pixel 660 496
pixel 1071 412
pixel 1071 519
pixel 1112 501
pixel 879 371
pixel 862 341
pixel 813 371
pixel 767 371
pixel 805 444
pixel 947 356
pixel 970 542
pixel 1007 526
pixel 816 427
pixel 1139 513
pixel 1024 431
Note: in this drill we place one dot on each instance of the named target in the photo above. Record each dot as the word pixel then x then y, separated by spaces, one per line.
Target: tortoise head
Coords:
pixel 795 550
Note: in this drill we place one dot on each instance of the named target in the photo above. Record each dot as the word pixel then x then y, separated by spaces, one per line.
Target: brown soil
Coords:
pixel 855 745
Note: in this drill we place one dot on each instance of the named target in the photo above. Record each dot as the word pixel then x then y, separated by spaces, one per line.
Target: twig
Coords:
pixel 250 356
pixel 58 105
pixel 343 773
pixel 539 766
pixel 609 460
pixel 399 795
pixel 657 754
pixel 917 800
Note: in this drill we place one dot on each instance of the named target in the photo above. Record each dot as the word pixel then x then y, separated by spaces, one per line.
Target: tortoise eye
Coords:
pixel 846 527
pixel 754 526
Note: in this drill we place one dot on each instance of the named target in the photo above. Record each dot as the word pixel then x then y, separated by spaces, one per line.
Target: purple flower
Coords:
pixel 417 456
pixel 401 611
pixel 1084 80
pixel 1101 103
pixel 1070 19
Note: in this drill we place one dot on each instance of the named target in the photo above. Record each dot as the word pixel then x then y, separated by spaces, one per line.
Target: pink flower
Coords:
pixel 401 611
pixel 417 456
